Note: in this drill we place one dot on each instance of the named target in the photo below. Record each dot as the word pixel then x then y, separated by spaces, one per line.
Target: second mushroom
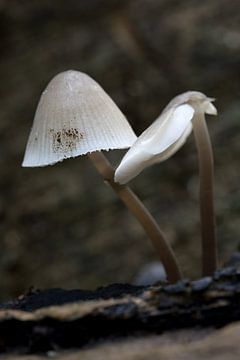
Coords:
pixel 162 139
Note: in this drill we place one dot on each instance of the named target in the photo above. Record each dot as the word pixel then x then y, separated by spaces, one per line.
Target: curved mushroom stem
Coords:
pixel 137 208
pixel 206 174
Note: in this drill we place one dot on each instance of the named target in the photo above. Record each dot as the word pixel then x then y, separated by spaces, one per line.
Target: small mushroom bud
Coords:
pixel 162 139
pixel 75 117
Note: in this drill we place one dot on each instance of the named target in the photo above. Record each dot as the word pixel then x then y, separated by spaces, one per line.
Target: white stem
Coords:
pixel 206 193
pixel 137 208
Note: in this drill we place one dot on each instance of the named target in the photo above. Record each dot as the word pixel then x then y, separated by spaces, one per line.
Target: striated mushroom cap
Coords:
pixel 75 116
pixel 165 136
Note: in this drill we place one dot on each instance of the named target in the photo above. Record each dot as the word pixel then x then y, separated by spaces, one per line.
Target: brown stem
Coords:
pixel 206 193
pixel 136 207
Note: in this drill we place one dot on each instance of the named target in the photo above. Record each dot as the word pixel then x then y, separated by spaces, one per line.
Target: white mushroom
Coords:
pixel 162 139
pixel 75 117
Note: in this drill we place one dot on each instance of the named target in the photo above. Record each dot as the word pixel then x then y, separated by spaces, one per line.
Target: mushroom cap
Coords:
pixel 165 136
pixel 75 116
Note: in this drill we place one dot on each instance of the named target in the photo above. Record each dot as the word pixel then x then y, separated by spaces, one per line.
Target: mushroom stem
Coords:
pixel 206 193
pixel 137 208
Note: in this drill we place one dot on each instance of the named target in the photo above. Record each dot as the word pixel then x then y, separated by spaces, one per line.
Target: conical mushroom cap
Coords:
pixel 165 136
pixel 74 117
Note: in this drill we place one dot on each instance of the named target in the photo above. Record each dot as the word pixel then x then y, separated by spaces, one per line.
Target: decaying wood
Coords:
pixel 205 302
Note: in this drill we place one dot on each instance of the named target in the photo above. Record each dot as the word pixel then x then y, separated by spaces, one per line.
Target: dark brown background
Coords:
pixel 61 226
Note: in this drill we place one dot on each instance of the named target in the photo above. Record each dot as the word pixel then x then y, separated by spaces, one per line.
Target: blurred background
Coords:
pixel 61 226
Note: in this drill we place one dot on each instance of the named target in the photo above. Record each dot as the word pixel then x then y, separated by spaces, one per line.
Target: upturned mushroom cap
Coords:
pixel 75 116
pixel 165 136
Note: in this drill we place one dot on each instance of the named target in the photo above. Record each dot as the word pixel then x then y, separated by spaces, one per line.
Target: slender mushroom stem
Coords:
pixel 206 193
pixel 136 207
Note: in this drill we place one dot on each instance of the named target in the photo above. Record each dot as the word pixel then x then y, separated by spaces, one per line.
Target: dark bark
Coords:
pixel 116 311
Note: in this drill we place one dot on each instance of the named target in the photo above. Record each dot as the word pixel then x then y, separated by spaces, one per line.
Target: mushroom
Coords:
pixel 75 117
pixel 162 139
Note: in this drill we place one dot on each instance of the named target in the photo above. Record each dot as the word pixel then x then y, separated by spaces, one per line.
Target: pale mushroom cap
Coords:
pixel 75 116
pixel 165 136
